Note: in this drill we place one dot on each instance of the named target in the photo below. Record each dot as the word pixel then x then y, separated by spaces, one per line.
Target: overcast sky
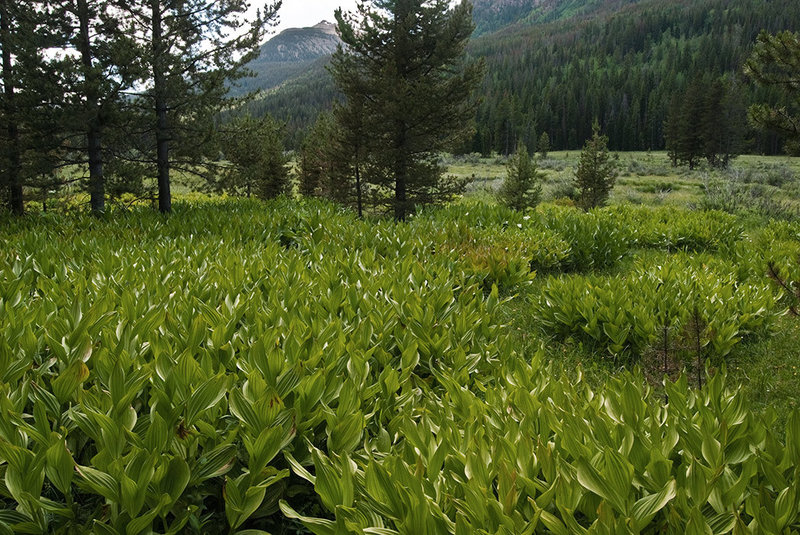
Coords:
pixel 302 13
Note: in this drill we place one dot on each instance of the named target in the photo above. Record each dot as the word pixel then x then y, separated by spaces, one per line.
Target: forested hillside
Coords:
pixel 620 67
pixel 562 64
pixel 491 15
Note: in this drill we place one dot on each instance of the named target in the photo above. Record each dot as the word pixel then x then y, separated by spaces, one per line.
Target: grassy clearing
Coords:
pixel 648 178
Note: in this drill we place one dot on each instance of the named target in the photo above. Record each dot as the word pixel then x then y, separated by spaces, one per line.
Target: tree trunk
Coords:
pixel 13 175
pixel 400 172
pixel 162 124
pixel 359 201
pixel 97 190
pixel 400 193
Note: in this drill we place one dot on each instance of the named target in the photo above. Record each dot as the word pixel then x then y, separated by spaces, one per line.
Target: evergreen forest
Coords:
pixel 618 62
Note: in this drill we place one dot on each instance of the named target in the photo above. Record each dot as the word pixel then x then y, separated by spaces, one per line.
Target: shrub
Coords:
pixel 522 187
pixel 622 315
pixel 596 240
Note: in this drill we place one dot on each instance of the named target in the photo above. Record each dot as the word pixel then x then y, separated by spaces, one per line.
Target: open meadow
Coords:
pixel 766 185
pixel 284 367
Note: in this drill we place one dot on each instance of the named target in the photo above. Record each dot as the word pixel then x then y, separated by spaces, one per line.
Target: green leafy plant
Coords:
pixel 243 364
pixel 623 315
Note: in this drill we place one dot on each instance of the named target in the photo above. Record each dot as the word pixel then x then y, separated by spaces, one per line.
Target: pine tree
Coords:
pixel 405 59
pixel 705 121
pixel 257 164
pixel 192 48
pixel 318 158
pixel 27 137
pixel 775 62
pixel 683 128
pixel 723 123
pixel 331 162
pixel 105 64
pixel 522 187
pixel 543 145
pixel 672 131
pixel 11 185
pixel 352 140
pixel 596 172
pixel 712 123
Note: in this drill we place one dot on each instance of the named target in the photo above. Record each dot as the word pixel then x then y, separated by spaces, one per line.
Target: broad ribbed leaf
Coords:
pixel 646 508
pixel 318 526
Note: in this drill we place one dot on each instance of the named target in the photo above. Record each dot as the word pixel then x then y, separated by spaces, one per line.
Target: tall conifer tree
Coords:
pixel 104 66
pixel 192 48
pixel 406 60
pixel 28 91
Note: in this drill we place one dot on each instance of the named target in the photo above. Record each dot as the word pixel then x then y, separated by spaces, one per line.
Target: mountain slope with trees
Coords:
pixel 622 67
pixel 556 66
pixel 288 55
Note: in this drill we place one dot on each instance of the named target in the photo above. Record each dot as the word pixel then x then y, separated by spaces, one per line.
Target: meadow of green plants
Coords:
pixel 242 367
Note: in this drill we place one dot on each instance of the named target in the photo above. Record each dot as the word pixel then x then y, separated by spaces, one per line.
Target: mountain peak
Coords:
pixel 289 54
pixel 325 26
pixel 301 44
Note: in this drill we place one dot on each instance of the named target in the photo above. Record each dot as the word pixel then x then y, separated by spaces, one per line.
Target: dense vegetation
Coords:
pixel 196 374
pixel 618 62
pixel 128 91
pixel 620 358
pixel 620 67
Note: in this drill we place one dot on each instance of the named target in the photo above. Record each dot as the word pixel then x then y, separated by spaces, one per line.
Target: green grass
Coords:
pixel 641 176
pixel 768 370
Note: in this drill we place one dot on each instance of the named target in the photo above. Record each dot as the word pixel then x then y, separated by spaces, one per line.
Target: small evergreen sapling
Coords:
pixel 544 145
pixel 596 173
pixel 522 187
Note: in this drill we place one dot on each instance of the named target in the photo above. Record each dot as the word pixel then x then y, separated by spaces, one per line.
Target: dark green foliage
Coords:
pixel 622 66
pixel 10 36
pixel 620 61
pixel 596 172
pixel 522 188
pixel 405 62
pixel 725 123
pixel 543 145
pixel 26 100
pixel 324 165
pixel 775 62
pixel 298 101
pixel 258 165
pixel 684 132
pixel 708 121
pixel 191 49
